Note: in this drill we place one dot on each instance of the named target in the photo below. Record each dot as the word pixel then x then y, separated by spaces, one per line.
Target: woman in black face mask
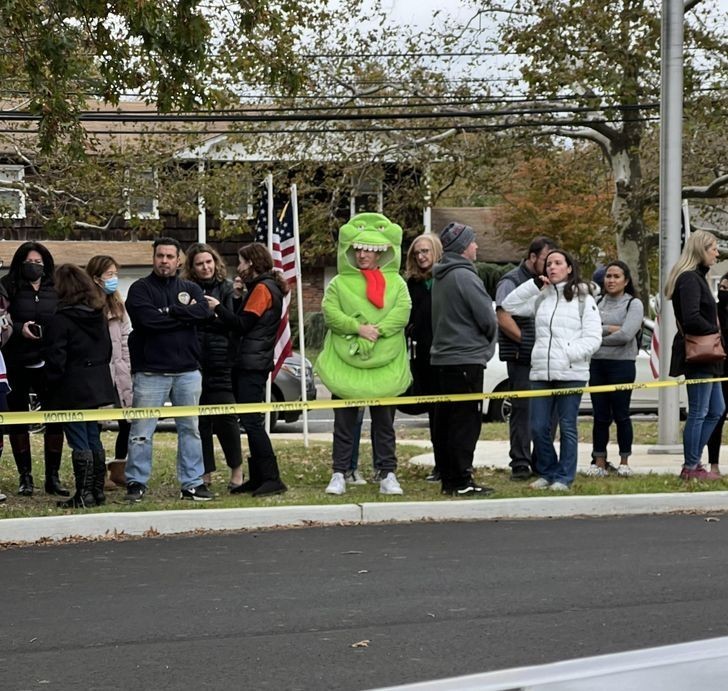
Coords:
pixel 32 302
pixel 715 437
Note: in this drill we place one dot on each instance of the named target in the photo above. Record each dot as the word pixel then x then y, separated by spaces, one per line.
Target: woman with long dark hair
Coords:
pixel 77 369
pixel 568 333
pixel 204 266
pixel 254 324
pixel 696 315
pixel 104 272
pixel 621 312
pixel 32 301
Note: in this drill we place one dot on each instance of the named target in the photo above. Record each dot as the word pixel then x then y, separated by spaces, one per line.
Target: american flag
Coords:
pixel 284 260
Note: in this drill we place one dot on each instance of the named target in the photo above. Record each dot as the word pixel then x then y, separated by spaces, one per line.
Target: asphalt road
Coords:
pixel 283 609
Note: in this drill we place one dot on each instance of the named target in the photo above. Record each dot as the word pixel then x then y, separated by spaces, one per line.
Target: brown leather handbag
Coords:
pixel 703 349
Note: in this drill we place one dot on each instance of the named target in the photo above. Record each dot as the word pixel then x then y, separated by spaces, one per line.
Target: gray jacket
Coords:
pixel 464 325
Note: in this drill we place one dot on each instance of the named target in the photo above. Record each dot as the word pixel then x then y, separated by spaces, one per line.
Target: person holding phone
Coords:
pixel 32 301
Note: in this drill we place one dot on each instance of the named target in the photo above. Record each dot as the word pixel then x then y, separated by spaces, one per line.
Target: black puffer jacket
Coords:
pixel 27 304
pixel 252 342
pixel 77 361
pixel 214 337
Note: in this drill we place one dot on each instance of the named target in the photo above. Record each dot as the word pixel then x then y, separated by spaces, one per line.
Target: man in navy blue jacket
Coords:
pixel 165 364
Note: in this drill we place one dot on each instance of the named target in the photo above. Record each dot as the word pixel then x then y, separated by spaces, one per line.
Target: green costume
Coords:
pixel 351 366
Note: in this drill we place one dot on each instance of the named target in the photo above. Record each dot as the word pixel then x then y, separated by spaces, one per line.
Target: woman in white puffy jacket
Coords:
pixel 568 333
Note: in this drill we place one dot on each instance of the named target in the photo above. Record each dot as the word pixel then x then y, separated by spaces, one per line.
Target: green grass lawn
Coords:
pixel 306 471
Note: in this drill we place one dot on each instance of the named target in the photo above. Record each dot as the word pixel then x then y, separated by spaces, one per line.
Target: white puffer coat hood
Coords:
pixel 568 333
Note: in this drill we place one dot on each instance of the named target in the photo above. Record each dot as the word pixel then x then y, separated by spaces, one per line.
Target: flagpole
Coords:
pixel 269 189
pixel 299 304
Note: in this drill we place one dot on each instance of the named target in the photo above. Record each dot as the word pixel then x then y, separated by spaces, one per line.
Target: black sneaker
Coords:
pixel 134 492
pixel 199 493
pixel 520 473
pixel 434 476
pixel 472 489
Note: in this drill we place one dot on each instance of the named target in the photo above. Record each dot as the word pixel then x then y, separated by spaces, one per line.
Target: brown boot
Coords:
pixel 116 473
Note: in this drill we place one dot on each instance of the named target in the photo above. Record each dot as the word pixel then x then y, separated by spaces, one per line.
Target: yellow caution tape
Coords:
pixel 104 414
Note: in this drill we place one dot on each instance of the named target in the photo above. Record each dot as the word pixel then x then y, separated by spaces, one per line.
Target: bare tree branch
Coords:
pixel 709 191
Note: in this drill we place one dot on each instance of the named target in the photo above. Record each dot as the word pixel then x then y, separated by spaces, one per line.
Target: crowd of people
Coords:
pixel 188 334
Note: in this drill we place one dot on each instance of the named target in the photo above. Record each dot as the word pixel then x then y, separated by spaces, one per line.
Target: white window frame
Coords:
pixel 130 213
pixel 370 185
pixel 16 174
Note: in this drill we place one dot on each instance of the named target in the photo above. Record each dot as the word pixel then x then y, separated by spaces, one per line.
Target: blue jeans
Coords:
pixel 705 407
pixel 151 391
pixel 612 405
pixel 83 436
pixel 548 465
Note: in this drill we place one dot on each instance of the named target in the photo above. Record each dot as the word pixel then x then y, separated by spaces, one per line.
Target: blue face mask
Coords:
pixel 110 285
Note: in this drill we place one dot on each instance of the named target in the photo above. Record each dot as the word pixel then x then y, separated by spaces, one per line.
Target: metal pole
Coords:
pixel 201 212
pixel 299 303
pixel 671 115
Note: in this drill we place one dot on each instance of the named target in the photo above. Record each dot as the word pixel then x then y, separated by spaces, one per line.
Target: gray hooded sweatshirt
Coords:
pixel 464 325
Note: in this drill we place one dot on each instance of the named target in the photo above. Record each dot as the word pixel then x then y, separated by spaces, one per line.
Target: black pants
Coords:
pixel 250 388
pixel 226 428
pixel 457 425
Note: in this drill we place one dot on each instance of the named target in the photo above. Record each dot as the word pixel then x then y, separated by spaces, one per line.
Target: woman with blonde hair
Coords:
pixel 104 272
pixel 696 315
pixel 424 252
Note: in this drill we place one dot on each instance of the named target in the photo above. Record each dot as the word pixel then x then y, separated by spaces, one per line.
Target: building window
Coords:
pixel 141 194
pixel 239 203
pixel 12 199
pixel 367 194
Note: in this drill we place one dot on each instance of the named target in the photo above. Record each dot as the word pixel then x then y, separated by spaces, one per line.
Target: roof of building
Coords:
pixel 491 246
pixel 80 251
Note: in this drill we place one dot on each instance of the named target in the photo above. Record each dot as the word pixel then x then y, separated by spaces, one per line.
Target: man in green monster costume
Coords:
pixel 366 308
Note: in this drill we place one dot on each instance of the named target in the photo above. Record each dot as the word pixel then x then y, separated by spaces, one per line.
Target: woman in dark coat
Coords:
pixel 204 266
pixel 716 438
pixel 423 254
pixel 254 325
pixel 696 315
pixel 78 374
pixel 32 303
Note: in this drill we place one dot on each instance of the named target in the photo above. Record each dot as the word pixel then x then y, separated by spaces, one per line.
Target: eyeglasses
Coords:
pixel 423 251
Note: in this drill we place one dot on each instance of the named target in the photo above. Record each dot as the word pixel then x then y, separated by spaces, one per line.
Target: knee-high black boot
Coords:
pixel 20 444
pixel 53 449
pixel 99 476
pixel 83 470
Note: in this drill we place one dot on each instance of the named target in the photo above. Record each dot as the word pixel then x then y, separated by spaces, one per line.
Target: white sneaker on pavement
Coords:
pixel 390 485
pixel 540 483
pixel 337 484
pixel 596 471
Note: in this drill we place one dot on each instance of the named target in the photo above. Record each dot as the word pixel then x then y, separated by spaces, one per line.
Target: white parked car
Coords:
pixel 643 400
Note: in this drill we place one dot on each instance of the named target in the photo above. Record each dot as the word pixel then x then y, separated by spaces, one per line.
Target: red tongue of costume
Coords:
pixel 375 286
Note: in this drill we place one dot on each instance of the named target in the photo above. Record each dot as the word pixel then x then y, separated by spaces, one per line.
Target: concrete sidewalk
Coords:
pixel 494 454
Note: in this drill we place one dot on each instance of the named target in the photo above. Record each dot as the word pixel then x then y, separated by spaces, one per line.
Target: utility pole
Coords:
pixel 671 116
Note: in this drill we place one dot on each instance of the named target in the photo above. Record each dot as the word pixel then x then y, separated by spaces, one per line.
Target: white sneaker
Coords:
pixel 559 487
pixel 624 470
pixel 596 471
pixel 354 477
pixel 337 484
pixel 540 483
pixel 389 485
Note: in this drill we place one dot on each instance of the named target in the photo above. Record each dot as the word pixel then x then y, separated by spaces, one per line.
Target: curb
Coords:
pixel 154 523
